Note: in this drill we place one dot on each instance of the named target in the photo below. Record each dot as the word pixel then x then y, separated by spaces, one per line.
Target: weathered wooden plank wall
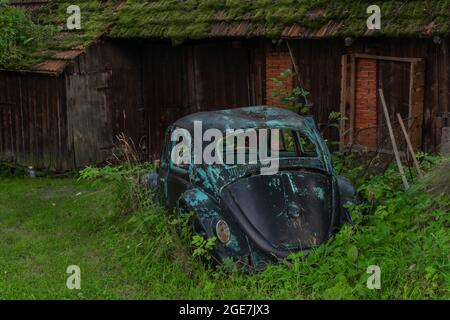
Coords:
pixel 33 123
pixel 197 77
pixel 319 63
pixel 139 88
pixel 104 100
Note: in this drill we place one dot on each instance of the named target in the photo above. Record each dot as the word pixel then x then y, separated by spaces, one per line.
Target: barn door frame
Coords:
pixel 348 96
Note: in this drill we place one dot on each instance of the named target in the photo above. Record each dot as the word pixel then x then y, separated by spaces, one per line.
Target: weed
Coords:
pixel 146 256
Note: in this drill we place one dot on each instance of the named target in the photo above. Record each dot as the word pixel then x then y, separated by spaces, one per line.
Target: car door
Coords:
pixel 176 176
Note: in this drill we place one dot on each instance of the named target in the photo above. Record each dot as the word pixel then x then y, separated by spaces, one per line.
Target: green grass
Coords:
pixel 48 224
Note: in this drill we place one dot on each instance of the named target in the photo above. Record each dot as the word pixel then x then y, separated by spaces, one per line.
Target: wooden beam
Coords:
pixel 296 69
pixel 394 143
pixel 386 58
pixel 410 147
pixel 352 97
pixel 343 107
pixel 416 103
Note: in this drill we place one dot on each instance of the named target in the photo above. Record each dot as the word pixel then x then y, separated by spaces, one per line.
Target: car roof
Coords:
pixel 245 118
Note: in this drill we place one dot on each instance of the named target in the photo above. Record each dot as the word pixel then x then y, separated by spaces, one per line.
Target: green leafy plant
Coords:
pixel 203 246
pixel 292 99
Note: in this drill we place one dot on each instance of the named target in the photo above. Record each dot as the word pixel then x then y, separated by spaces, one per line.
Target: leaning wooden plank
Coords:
pixel 343 107
pixel 410 147
pixel 296 69
pixel 394 143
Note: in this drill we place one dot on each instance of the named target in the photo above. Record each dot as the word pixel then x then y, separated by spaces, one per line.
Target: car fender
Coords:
pixel 347 195
pixel 206 213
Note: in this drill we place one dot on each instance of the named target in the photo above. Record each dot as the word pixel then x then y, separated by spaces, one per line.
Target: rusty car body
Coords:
pixel 258 218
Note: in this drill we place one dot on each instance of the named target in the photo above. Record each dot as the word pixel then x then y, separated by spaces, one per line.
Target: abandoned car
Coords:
pixel 257 217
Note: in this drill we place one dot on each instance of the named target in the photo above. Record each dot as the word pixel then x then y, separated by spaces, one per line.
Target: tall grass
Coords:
pixel 404 233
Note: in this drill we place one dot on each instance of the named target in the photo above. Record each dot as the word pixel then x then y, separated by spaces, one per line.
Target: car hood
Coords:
pixel 214 178
pixel 292 210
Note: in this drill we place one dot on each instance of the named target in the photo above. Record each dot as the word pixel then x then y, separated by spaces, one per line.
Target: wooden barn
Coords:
pixel 135 66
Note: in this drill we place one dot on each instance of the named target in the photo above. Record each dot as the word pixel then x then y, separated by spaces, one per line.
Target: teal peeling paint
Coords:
pixel 233 243
pixel 275 124
pixel 293 185
pixel 196 198
pixel 275 183
pixel 319 193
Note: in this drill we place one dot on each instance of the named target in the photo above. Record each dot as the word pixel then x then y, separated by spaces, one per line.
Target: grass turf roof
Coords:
pixel 194 19
pixel 96 16
pixel 183 19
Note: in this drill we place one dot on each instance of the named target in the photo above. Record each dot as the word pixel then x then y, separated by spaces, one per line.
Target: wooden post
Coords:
pixel 352 98
pixel 410 147
pixel 394 143
pixel 296 69
pixel 343 107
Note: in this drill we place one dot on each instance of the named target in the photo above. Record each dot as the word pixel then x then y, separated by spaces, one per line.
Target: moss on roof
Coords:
pixel 181 19
pixel 194 19
pixel 96 16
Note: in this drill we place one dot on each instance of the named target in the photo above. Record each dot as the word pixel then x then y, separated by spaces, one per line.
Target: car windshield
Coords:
pixel 249 146
pixel 291 144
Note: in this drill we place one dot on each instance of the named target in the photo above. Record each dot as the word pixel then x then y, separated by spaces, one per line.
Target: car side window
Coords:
pixel 308 148
pixel 287 143
pixel 164 150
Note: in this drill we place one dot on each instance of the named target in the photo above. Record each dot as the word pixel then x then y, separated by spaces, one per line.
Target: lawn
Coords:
pixel 47 225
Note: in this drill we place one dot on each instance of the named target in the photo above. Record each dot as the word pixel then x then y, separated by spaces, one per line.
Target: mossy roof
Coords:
pixel 182 19
pixel 179 20
pixel 59 45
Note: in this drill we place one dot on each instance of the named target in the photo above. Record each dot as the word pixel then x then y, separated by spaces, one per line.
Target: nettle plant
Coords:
pixel 295 99
pixel 292 99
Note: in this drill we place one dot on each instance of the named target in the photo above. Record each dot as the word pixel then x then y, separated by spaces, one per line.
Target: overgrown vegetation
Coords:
pixel 29 38
pixel 18 35
pixel 293 99
pixel 195 19
pixel 130 250
pixel 191 19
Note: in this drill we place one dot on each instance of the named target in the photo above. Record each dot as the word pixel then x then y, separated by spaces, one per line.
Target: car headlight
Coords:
pixel 223 231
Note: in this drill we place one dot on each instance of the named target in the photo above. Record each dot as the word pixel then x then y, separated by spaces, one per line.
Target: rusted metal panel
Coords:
pixel 56 66
pixel 30 5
